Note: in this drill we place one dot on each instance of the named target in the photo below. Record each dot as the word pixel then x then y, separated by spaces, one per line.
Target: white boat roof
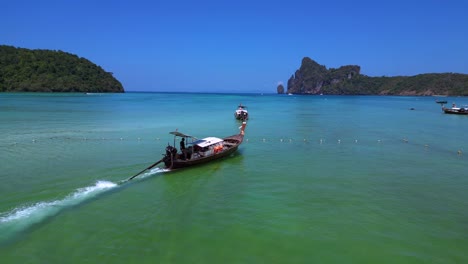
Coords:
pixel 178 134
pixel 205 142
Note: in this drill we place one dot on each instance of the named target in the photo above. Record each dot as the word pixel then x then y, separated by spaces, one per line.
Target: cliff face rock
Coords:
pixel 312 77
pixel 280 89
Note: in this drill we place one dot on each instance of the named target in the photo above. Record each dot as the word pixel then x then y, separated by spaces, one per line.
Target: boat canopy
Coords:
pixel 178 134
pixel 205 142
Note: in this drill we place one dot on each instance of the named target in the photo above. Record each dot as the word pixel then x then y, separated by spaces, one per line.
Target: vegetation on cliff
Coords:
pixel 313 78
pixel 25 70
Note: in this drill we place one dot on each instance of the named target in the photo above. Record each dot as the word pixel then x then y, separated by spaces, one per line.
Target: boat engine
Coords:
pixel 170 151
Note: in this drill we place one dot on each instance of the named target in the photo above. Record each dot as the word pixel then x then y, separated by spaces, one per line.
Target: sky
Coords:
pixel 242 45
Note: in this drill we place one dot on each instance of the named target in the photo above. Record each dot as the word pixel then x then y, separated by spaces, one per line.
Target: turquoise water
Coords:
pixel 318 179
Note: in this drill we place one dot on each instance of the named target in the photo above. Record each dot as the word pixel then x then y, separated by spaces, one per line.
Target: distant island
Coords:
pixel 25 70
pixel 313 79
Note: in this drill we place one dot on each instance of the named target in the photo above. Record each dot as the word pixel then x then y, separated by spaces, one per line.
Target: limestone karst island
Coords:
pixel 25 70
pixel 315 79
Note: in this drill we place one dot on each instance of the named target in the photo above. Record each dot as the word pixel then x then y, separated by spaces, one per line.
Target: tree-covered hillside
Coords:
pixel 25 70
pixel 313 78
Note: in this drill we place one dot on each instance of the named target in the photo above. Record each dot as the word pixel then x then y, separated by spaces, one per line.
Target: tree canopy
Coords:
pixel 25 70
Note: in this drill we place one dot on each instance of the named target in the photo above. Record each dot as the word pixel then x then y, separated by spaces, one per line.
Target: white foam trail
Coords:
pixel 23 217
pixel 156 170
pixel 150 173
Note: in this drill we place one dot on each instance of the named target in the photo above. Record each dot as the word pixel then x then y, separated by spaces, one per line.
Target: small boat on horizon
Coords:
pixel 241 113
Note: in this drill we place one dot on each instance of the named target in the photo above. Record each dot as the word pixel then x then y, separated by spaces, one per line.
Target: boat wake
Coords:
pixel 21 218
pixel 145 174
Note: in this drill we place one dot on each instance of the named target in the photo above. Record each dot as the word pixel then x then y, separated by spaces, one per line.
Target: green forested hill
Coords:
pixel 313 78
pixel 25 70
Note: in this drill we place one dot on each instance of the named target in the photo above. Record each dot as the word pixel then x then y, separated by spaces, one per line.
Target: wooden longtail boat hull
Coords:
pixel 173 160
pixel 201 151
pixel 460 111
pixel 179 163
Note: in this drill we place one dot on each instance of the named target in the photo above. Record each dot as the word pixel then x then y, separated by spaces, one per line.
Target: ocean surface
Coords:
pixel 318 179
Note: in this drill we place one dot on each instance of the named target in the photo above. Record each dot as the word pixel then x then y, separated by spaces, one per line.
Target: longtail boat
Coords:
pixel 241 113
pixel 198 151
pixel 456 110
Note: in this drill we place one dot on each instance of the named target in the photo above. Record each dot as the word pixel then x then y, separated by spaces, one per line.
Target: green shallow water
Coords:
pixel 325 179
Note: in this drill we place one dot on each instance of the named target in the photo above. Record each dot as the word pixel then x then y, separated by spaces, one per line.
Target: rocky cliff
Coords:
pixel 313 78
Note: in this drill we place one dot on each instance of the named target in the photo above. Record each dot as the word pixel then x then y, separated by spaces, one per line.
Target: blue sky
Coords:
pixel 242 46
